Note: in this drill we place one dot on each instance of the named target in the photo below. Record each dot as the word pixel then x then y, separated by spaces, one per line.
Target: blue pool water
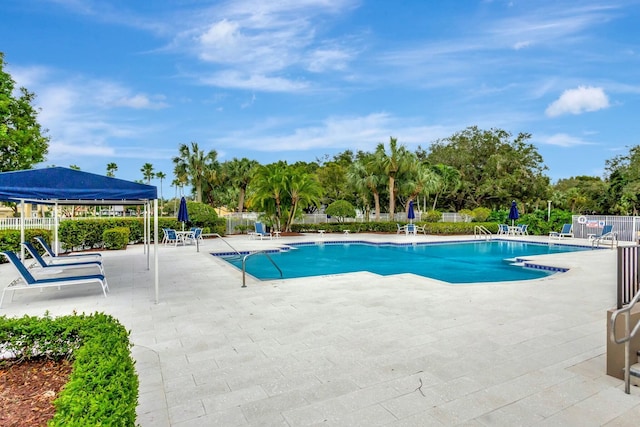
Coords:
pixel 486 261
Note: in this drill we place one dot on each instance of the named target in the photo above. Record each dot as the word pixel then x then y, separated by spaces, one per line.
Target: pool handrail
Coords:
pixel 629 334
pixel 244 262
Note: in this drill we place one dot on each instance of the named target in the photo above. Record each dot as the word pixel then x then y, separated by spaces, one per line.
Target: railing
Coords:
pixel 244 262
pixel 629 334
pixel 480 231
pixel 227 243
pixel 14 223
pixel 628 274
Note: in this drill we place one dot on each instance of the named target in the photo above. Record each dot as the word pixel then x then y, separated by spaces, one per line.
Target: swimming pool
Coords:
pixel 466 262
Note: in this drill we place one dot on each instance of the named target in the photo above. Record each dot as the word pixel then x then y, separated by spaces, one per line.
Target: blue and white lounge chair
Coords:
pixel 65 258
pixel 260 231
pixel 565 232
pixel 73 263
pixel 606 236
pixel 27 281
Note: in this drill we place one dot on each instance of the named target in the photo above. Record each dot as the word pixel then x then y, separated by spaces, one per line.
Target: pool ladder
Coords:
pixel 244 262
pixel 481 232
pixel 629 334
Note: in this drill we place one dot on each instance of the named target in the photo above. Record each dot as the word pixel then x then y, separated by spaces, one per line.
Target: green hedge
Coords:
pixel 446 228
pixel 116 238
pixel 10 239
pixel 103 386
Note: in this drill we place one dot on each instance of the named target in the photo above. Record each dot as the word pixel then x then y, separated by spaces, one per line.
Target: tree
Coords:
pixel 341 209
pixel 147 172
pixel 111 169
pixel 494 167
pixel 448 183
pixel 392 164
pixel 239 173
pixel 191 166
pixel 303 190
pixel 23 142
pixel 161 176
pixel 367 178
pixel 418 180
pixel 268 187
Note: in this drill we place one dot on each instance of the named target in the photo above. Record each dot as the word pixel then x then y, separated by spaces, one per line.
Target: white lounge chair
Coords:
pixel 27 281
pixel 565 232
pixel 260 231
pixel 65 258
pixel 73 263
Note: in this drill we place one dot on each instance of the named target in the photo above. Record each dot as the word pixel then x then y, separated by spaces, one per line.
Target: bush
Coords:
pixel 341 209
pixel 432 216
pixel 116 238
pixel 103 386
pixel 10 239
pixel 444 228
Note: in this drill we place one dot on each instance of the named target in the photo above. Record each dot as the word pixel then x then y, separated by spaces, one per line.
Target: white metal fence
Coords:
pixel 627 227
pixel 14 223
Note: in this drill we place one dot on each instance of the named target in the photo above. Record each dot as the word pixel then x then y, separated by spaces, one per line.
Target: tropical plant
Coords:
pixel 392 163
pixel 23 142
pixel 147 172
pixel 341 209
pixel 238 173
pixel 111 169
pixel 193 166
pixel 367 178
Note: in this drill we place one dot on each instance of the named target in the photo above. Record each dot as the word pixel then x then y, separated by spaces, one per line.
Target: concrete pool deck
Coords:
pixel 356 349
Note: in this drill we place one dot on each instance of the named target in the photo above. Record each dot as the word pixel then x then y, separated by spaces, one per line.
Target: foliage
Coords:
pixel 341 209
pixel 116 238
pixel 22 141
pixel 281 192
pixel 480 214
pixel 204 216
pixel 443 228
pixel 195 167
pixel 494 168
pixel 432 216
pixel 10 239
pixel 103 386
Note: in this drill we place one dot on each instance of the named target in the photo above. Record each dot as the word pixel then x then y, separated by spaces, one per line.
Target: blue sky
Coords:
pixel 128 81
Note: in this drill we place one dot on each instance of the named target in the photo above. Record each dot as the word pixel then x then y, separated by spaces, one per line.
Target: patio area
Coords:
pixel 356 349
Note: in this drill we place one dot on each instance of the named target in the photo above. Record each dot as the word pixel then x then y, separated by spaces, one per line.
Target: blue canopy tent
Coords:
pixel 63 186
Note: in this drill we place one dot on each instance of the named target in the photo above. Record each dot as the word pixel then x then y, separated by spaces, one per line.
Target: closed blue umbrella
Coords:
pixel 513 212
pixel 410 213
pixel 183 213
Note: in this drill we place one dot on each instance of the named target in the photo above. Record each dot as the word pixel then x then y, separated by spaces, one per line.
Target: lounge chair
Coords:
pixel 607 235
pixel 27 281
pixel 61 265
pixel 65 258
pixel 567 231
pixel 260 231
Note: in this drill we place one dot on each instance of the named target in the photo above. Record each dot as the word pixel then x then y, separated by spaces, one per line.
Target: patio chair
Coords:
pixel 503 229
pixel 401 228
pixel 27 281
pixel 411 229
pixel 61 265
pixel 65 258
pixel 607 235
pixel 565 232
pixel 260 231
pixel 521 229
pixel 170 236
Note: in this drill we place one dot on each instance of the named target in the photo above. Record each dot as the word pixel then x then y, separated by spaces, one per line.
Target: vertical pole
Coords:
pixel 548 210
pixel 155 248
pixel 22 229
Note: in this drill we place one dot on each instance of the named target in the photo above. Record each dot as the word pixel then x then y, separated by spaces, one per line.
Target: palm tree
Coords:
pixel 418 179
pixel 239 173
pixel 191 165
pixel 450 180
pixel 268 187
pixel 303 190
pixel 391 163
pixel 147 172
pixel 367 178
pixel 161 176
pixel 111 169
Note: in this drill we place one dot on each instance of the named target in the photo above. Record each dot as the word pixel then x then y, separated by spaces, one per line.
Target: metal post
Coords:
pixel 548 210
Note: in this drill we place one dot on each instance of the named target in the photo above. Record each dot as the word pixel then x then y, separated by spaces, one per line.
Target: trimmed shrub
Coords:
pixel 116 238
pixel 10 239
pixel 103 386
pixel 341 209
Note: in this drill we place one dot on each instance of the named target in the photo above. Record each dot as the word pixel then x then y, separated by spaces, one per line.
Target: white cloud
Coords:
pixel 348 132
pixel 563 140
pixel 256 82
pixel 577 101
